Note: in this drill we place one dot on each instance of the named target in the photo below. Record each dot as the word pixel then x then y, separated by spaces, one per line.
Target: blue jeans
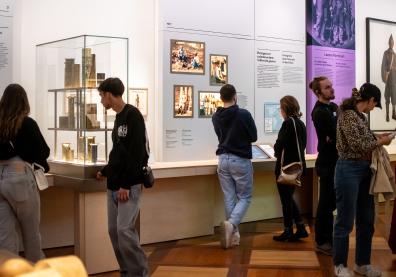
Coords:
pixel 236 180
pixel 19 205
pixel 352 184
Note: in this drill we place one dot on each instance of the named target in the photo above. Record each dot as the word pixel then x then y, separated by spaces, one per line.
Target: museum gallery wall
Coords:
pixel 198 56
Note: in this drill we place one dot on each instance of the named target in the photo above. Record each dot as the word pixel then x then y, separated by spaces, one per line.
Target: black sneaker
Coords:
pixel 285 236
pixel 300 234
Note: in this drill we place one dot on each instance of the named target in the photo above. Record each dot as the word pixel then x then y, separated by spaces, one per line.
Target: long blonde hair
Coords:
pixel 14 107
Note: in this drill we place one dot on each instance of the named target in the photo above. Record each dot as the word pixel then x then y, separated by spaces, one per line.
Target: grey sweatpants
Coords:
pixel 19 204
pixel 123 235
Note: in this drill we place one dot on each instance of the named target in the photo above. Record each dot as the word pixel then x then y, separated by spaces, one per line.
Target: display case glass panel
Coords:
pixel 73 121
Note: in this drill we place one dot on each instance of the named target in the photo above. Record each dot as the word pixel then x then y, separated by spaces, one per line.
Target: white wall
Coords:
pixel 381 9
pixel 41 21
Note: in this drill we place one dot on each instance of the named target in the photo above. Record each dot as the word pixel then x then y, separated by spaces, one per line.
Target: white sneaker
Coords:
pixel 342 271
pixel 367 270
pixel 236 237
pixel 226 230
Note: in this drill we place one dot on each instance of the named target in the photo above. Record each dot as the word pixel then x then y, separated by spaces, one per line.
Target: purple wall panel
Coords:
pixel 330 52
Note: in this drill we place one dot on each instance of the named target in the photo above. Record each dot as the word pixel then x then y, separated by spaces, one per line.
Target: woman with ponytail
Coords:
pixel 355 143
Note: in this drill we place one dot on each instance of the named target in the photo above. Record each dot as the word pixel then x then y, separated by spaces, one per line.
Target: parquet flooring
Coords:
pixel 257 256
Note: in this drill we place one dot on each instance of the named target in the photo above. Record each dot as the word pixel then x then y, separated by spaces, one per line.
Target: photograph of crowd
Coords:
pixel 218 70
pixel 209 101
pixel 187 57
pixel 183 101
pixel 332 23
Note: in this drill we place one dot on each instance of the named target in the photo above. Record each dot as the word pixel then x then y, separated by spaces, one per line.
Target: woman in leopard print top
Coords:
pixel 355 143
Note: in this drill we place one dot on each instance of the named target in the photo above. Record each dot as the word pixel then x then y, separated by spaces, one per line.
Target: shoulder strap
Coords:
pixel 147 147
pixel 147 143
pixel 298 142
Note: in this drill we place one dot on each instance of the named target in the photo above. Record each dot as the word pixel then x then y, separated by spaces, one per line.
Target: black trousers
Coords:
pixel 291 212
pixel 326 206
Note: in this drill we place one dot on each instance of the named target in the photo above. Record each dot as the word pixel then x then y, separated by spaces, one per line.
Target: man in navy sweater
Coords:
pixel 236 130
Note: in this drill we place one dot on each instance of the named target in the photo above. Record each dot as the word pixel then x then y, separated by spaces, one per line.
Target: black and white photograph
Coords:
pixel 381 71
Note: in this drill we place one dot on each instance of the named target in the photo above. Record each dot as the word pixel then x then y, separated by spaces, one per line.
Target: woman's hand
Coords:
pixel 384 139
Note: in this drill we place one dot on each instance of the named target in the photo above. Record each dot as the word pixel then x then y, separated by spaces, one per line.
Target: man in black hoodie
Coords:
pixel 324 117
pixel 124 178
pixel 236 130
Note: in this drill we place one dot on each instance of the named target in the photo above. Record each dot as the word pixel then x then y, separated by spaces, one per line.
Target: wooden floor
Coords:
pixel 258 255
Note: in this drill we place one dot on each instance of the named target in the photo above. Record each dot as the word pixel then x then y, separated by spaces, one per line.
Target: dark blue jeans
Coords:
pixel 324 221
pixel 352 183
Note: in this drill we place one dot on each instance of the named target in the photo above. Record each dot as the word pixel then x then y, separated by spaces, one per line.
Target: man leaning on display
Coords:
pixel 235 130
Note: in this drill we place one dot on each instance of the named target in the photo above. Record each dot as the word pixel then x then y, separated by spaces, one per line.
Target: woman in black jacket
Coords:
pixel 287 142
pixel 21 145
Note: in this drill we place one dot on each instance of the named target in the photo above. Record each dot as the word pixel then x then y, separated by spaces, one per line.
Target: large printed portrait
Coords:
pixel 187 57
pixel 138 98
pixel 332 23
pixel 218 70
pixel 209 101
pixel 381 71
pixel 183 101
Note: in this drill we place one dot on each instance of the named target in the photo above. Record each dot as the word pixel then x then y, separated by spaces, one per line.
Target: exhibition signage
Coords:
pixel 5 44
pixel 330 52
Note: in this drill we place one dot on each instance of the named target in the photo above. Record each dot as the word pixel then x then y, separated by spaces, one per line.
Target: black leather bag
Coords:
pixel 148 177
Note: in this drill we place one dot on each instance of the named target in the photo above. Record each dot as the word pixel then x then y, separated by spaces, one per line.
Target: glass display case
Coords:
pixel 73 121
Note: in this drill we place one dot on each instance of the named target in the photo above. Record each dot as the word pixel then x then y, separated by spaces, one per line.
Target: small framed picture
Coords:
pixel 218 70
pixel 187 57
pixel 183 98
pixel 209 101
pixel 138 97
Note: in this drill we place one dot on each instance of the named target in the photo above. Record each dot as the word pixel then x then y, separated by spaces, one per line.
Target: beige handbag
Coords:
pixel 291 173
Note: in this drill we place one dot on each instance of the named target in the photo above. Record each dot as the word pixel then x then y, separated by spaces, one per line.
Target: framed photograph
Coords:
pixel 138 98
pixel 187 57
pixel 183 98
pixel 209 101
pixel 218 70
pixel 381 71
